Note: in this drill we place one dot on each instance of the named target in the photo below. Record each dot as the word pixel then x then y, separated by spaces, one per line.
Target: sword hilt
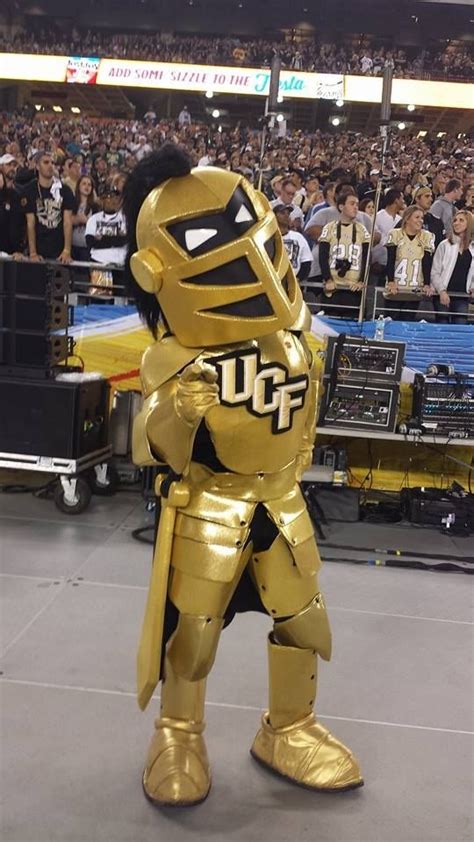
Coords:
pixel 177 492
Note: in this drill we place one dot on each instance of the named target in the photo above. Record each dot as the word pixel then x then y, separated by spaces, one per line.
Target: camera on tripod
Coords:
pixel 342 267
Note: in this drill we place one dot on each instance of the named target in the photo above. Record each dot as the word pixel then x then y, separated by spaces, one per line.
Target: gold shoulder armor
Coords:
pixel 163 360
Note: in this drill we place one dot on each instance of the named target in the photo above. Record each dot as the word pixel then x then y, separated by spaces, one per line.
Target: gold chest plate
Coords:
pixel 259 423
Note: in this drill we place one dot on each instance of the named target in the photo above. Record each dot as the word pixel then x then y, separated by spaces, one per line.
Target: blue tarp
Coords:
pixel 425 343
pixel 96 313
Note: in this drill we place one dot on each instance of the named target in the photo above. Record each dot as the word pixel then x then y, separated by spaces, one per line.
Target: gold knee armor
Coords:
pixel 279 582
pixel 192 649
pixel 309 629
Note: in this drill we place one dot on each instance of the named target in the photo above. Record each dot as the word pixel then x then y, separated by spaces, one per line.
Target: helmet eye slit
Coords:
pixel 194 237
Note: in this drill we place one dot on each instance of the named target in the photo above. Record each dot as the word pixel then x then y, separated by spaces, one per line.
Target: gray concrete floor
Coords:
pixel 398 691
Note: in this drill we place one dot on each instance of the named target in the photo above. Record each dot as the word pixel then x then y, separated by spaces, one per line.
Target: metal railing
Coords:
pixel 376 304
pixel 87 285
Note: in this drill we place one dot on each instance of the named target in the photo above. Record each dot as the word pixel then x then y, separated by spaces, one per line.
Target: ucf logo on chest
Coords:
pixel 263 388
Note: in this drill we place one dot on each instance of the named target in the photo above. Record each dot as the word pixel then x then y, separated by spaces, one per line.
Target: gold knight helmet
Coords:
pixel 206 251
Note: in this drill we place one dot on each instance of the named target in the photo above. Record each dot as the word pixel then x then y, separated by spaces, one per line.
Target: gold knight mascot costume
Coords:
pixel 229 412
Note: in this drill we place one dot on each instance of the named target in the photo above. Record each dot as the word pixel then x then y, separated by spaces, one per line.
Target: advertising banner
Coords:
pixel 228 80
pixel 82 70
pixel 249 81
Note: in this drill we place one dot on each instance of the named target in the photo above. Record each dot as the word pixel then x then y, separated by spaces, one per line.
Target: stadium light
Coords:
pixel 57 108
pixel 335 121
pixel 422 133
pixel 402 126
pixel 441 134
pixel 75 109
pixel 209 94
pixel 410 107
pixel 38 107
pixel 280 118
pixel 339 103
pixel 216 113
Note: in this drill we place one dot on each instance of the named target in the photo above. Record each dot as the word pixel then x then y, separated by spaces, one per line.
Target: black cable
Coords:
pixel 138 534
pixel 396 553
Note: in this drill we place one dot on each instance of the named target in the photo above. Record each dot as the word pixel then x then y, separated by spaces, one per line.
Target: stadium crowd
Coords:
pixel 358 56
pixel 61 184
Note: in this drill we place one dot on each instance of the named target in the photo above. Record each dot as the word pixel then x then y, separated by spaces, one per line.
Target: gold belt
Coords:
pixel 258 487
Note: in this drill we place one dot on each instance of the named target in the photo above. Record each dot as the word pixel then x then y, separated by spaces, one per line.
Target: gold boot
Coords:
pixel 291 742
pixel 177 770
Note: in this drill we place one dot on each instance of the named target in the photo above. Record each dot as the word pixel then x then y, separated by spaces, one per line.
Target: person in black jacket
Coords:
pixel 11 216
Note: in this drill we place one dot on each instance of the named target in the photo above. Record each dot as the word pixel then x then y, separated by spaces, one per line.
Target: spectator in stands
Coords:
pixel 113 156
pixel 343 255
pixel 297 177
pixel 73 168
pixel 409 259
pixel 85 205
pixel 367 206
pixel 468 198
pixel 367 189
pixel 287 198
pixel 423 199
pixel 208 159
pixel 275 184
pixel 329 201
pixel 11 216
pixel 311 190
pixel 142 149
pixel 48 205
pixel 385 220
pixel 309 54
pixel 184 117
pixel 453 270
pixel 100 176
pixel 366 63
pixel 440 179
pixel 12 220
pixel 8 168
pixel 296 245
pixel 106 235
pixel 444 207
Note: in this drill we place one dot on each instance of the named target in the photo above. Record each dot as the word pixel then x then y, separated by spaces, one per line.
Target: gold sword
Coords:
pixel 151 639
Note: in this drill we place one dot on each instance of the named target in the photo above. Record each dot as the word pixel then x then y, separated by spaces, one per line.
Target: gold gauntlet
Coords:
pixel 196 392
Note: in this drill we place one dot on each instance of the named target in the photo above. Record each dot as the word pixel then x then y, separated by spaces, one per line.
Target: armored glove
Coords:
pixel 197 392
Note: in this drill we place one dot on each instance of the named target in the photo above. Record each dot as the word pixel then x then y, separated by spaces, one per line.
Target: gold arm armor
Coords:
pixel 158 432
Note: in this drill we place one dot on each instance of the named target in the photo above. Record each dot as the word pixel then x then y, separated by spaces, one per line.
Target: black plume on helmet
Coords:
pixel 169 162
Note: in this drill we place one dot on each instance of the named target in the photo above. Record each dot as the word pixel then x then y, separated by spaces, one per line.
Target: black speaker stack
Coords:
pixel 47 408
pixel 34 318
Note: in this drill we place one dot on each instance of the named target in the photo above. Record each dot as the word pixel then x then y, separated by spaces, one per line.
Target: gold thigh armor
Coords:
pixel 192 648
pixel 192 594
pixel 282 588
